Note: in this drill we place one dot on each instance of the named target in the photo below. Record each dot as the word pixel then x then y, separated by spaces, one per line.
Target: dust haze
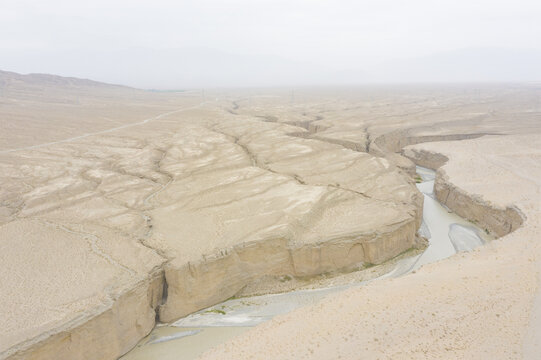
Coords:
pixel 278 180
pixel 172 45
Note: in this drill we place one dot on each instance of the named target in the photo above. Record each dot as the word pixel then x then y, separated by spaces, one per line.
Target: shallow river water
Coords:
pixel 189 337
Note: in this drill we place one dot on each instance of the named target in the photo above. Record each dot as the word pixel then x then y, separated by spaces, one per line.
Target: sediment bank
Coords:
pixel 193 287
pixel 472 305
pixel 496 220
pixel 242 202
pixel 104 333
pixel 184 337
pixel 146 217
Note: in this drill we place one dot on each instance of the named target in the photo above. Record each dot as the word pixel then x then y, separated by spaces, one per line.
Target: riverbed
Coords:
pixel 189 337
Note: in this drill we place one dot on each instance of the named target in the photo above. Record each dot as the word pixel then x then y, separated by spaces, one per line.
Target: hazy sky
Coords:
pixel 142 43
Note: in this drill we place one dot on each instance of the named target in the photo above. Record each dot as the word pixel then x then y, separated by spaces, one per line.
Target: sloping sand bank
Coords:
pixel 477 305
pixel 167 205
pixel 189 337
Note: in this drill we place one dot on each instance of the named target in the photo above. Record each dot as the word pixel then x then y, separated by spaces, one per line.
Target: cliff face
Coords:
pixel 113 228
pixel 117 204
pixel 481 304
pixel 498 220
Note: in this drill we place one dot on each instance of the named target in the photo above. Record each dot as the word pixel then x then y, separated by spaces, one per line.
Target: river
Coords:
pixel 189 337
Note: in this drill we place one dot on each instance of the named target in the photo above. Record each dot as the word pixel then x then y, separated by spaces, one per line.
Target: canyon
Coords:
pixel 122 208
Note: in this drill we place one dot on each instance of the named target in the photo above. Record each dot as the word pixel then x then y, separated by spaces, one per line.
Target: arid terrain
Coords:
pixel 120 208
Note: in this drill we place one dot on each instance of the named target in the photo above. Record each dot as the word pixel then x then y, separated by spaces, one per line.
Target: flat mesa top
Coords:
pixel 105 188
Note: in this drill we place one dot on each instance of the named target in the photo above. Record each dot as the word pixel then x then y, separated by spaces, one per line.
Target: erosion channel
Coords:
pixel 189 337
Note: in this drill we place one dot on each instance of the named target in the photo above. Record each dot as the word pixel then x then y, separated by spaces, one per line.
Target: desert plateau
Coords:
pixel 391 222
pixel 271 179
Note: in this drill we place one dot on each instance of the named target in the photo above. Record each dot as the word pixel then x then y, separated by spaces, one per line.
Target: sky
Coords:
pixel 205 43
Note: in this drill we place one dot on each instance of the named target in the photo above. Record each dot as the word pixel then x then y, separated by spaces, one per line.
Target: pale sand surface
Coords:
pixel 188 343
pixel 208 195
pixel 474 305
pixel 443 229
pixel 196 196
pixel 40 109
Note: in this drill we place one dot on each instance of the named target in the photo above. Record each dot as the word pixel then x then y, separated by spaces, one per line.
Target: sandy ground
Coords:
pixel 447 234
pixel 194 199
pixel 477 305
pixel 109 193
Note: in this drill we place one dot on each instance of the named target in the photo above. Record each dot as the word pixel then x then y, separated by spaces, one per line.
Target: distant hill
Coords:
pixel 8 78
pixel 186 68
pixel 179 68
